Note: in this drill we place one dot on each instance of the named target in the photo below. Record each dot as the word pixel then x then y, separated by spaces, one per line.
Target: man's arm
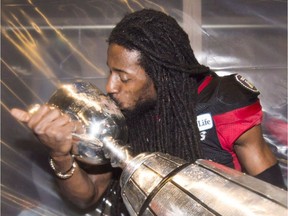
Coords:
pixel 257 158
pixel 54 129
pixel 81 189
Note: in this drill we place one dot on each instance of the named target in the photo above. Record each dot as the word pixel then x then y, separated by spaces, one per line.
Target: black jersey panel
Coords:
pixel 224 94
pixel 233 90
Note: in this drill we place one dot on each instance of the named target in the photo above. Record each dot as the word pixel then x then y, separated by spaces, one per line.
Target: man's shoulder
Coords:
pixel 235 88
pixel 226 93
pixel 229 89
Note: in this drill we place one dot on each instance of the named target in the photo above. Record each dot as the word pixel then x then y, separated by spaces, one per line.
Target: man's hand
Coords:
pixel 53 128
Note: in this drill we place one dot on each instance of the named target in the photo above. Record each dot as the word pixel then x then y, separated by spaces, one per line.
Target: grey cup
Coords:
pixel 99 115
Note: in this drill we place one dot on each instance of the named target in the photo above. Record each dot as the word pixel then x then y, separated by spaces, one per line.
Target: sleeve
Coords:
pixel 241 109
pixel 273 175
pixel 231 125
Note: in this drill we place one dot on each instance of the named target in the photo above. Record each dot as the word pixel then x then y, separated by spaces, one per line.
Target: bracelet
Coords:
pixel 65 175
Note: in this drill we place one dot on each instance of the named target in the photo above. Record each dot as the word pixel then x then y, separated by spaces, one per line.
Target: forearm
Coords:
pixel 54 129
pixel 256 157
pixel 80 189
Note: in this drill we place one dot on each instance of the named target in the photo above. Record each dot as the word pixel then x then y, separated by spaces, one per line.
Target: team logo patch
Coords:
pixel 244 82
pixel 204 121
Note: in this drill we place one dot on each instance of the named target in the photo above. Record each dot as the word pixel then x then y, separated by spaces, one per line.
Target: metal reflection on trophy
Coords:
pixel 157 183
pixel 99 115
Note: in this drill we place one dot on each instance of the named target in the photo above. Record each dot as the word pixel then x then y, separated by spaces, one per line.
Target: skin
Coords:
pixel 253 152
pixel 54 130
pixel 129 85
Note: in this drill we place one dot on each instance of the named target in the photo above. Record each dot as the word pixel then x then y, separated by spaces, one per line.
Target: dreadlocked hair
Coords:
pixel 167 58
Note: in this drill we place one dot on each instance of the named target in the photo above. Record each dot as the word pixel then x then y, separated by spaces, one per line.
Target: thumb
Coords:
pixel 20 115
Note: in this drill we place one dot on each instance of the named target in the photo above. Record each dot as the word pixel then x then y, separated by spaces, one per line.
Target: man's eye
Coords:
pixel 124 80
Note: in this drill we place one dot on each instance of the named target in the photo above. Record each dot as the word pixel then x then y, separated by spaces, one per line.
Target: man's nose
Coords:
pixel 112 85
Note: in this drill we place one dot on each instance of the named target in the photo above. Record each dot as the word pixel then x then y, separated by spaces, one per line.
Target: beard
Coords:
pixel 140 120
pixel 140 108
pixel 137 120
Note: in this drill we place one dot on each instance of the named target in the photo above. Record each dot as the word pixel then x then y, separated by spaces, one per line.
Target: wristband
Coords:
pixel 66 174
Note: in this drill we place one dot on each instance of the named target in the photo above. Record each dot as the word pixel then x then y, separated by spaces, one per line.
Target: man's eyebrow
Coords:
pixel 118 70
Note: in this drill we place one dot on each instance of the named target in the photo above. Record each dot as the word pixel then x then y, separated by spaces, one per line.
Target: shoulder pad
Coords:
pixel 236 89
pixel 244 82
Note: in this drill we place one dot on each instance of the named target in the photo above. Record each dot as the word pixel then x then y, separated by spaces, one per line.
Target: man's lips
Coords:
pixel 115 100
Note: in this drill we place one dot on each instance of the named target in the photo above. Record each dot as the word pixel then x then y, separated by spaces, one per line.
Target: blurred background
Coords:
pixel 45 43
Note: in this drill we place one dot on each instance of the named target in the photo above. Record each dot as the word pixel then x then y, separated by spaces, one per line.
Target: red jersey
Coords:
pixel 226 108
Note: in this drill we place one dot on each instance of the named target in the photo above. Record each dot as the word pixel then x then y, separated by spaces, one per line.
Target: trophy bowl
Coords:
pixel 99 115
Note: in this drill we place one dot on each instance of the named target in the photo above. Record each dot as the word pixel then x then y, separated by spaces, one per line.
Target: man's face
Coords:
pixel 128 84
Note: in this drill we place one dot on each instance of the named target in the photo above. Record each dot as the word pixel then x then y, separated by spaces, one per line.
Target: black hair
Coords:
pixel 168 59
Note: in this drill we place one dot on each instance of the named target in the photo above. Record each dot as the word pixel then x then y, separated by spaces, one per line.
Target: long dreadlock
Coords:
pixel 168 59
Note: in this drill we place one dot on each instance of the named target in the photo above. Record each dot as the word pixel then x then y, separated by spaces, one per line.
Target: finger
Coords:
pixel 53 117
pixel 20 115
pixel 74 127
pixel 78 127
pixel 38 116
pixel 59 133
pixel 65 120
pixel 77 130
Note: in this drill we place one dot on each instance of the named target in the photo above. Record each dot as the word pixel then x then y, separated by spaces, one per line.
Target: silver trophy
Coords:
pixel 99 115
pixel 157 183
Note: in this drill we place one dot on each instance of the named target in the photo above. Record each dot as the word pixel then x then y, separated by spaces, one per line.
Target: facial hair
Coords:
pixel 138 119
pixel 141 123
pixel 140 109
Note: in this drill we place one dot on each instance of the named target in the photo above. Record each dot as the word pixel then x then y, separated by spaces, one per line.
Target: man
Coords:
pixel 164 93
